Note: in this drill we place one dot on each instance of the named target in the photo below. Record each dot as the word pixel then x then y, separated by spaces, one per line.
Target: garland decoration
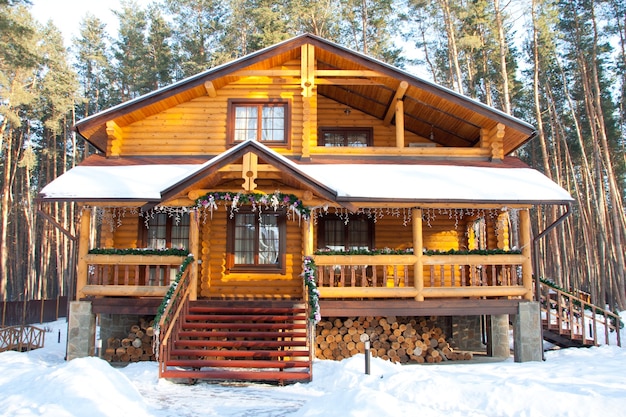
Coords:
pixel 473 252
pixel 309 273
pixel 372 252
pixel 258 201
pixel 168 296
pixel 140 251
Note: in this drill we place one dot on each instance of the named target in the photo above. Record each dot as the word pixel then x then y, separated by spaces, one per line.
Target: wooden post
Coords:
pixel 307 237
pixel 83 250
pixel 399 123
pixel 526 243
pixel 418 246
pixel 194 248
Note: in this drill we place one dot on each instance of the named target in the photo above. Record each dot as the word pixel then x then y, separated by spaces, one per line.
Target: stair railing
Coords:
pixel 170 322
pixel 576 316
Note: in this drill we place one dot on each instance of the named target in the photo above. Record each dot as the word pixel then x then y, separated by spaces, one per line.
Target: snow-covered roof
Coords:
pixel 98 183
pixel 351 182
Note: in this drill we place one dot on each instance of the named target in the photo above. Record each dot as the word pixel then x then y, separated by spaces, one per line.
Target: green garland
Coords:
pixel 309 272
pixel 275 200
pixel 170 292
pixel 577 303
pixel 139 251
pixel 473 252
pixel 409 251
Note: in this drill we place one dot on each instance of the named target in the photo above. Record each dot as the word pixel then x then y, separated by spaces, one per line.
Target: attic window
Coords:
pixel 345 136
pixel 263 121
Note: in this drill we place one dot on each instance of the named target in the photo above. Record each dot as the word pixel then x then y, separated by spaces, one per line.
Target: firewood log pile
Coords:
pixel 398 339
pixel 135 347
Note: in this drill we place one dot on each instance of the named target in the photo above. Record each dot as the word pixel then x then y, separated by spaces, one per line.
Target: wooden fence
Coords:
pixel 33 311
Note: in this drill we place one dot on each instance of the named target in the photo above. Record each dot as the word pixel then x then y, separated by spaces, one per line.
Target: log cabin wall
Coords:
pixel 217 282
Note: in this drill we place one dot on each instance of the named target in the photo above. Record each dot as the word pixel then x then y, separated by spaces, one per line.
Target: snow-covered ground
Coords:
pixel 571 382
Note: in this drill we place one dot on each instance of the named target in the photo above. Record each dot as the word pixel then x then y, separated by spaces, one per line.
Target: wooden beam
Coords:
pixel 418 245
pixel 391 110
pixel 249 171
pixel 345 81
pixel 307 69
pixel 349 73
pixel 194 248
pixel 210 89
pixel 268 73
pixel 115 135
pixel 83 251
pixel 125 290
pixel 526 244
pixel 399 124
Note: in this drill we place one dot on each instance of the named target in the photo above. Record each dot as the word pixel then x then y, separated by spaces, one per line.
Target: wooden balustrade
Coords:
pixel 170 322
pixel 391 276
pixel 130 275
pixel 576 318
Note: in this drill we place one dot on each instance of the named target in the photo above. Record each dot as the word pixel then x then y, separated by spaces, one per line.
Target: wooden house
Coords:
pixel 301 164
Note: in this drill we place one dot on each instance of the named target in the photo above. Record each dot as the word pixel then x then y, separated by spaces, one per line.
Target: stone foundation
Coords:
pixel 466 333
pixel 527 333
pixel 81 330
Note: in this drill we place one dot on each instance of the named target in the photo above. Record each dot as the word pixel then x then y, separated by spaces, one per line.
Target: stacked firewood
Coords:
pixel 400 340
pixel 135 347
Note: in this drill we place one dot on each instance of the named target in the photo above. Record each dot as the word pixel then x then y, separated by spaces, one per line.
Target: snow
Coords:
pixel 571 382
pixel 391 182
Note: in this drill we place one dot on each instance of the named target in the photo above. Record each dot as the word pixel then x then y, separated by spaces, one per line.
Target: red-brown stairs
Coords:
pixel 242 341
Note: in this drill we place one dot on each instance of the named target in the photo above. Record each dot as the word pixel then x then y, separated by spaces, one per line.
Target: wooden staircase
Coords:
pixel 572 321
pixel 251 340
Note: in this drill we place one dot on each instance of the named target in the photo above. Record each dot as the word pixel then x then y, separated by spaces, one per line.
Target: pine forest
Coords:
pixel 557 64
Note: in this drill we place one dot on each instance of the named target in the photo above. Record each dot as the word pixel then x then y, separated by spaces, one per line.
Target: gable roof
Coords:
pixel 430 111
pixel 510 182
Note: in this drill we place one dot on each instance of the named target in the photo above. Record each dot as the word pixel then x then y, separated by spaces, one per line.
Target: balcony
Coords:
pixel 424 276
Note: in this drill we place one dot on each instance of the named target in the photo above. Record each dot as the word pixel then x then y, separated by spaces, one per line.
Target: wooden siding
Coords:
pixel 216 282
pixel 331 113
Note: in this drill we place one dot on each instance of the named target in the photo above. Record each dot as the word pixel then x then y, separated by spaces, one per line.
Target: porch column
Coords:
pixel 399 123
pixel 418 245
pixel 307 238
pixel 83 249
pixel 526 243
pixel 194 248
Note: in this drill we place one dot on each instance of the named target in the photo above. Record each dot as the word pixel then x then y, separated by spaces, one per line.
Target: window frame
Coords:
pixel 280 266
pixel 369 132
pixel 260 104
pixel 321 230
pixel 170 224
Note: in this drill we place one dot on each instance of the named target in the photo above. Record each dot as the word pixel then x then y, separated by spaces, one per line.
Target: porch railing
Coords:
pixel 434 276
pixel 576 318
pixel 130 275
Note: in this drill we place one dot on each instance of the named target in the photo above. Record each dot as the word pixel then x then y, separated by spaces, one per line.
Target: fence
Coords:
pixel 34 311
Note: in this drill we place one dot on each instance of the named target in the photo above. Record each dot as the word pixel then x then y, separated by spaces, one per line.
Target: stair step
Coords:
pixel 263 344
pixel 242 317
pixel 238 363
pixel 199 334
pixel 239 353
pixel 244 326
pixel 239 375
pixel 244 310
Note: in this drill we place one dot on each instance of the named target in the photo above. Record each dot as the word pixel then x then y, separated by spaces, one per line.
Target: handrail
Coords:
pixel 568 312
pixel 21 338
pixel 170 317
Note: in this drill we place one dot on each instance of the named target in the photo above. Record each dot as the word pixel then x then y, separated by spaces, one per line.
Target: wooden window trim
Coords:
pixel 321 229
pixel 230 119
pixel 144 231
pixel 369 132
pixel 278 268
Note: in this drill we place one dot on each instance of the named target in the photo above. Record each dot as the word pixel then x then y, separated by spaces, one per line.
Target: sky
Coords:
pixel 583 382
pixel 67 14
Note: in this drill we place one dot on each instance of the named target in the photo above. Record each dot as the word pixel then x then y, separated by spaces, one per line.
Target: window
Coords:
pixel 266 122
pixel 345 136
pixel 256 242
pixel 165 231
pixel 335 234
